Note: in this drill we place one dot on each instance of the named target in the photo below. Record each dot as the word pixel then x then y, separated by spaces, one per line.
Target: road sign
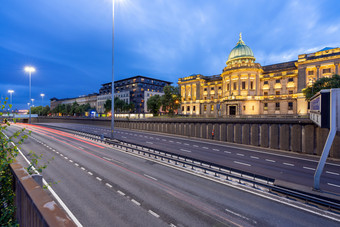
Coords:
pixel 320 108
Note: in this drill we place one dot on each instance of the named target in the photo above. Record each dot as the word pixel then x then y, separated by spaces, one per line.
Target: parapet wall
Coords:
pixel 296 135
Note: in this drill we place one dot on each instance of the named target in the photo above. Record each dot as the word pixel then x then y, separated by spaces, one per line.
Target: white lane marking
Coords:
pixel 171 141
pixel 90 173
pixel 205 148
pixel 109 185
pixel 121 193
pixel 80 147
pixel 163 139
pixel 195 145
pixel 216 150
pixel 241 163
pixel 55 195
pixel 335 185
pixel 269 160
pixel 82 168
pixel 70 160
pixel 157 139
pixel 76 164
pixel 239 154
pixel 53 150
pixel 61 155
pixel 254 157
pixel 149 142
pixel 288 164
pixel 98 178
pixel 179 142
pixel 151 137
pixel 66 157
pixel 228 152
pixel 135 202
pixel 150 177
pixel 124 137
pixel 109 159
pixel 308 168
pixel 153 213
pixel 57 152
pixel 186 144
pixel 185 150
pixel 333 173
pixel 241 216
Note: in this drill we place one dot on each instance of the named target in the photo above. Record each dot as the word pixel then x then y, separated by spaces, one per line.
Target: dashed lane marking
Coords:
pixel 153 213
pixel 269 160
pixel 150 177
pixel 90 173
pixel 205 148
pixel 309 168
pixel 121 193
pixel 337 174
pixel 254 157
pixel 195 145
pixel 109 185
pixel 227 152
pixel 149 142
pixel 98 178
pixel 185 150
pixel 288 164
pixel 239 154
pixel 335 185
pixel 242 163
pixel 135 202
pixel 82 168
pixel 216 150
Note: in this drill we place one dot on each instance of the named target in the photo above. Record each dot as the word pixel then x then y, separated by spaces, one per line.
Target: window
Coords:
pixel 277 81
pixel 290 79
pixel 205 89
pixel 290 106
pixel 265 82
pixel 251 85
pixel 290 92
pixel 244 107
pixel 205 107
pixel 212 88
pixel 253 107
pixel 212 107
pixel 310 73
pixel 277 106
pixel 188 108
pixel 234 85
pixel 265 106
pixel 205 98
pixel 243 85
pixel 227 87
pixel 265 93
pixel 219 88
pixel 182 108
pixel 194 108
pixel 277 92
pixel 328 70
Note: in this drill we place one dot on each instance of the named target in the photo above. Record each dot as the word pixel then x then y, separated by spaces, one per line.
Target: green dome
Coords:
pixel 241 50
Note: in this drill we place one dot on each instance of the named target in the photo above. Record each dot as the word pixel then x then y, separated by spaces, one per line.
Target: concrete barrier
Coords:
pixel 297 135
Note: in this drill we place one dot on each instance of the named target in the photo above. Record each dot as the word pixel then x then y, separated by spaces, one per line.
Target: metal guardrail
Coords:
pixel 218 170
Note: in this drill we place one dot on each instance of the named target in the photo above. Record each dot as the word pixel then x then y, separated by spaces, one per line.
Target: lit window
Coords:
pixel 265 93
pixel 277 106
pixel 227 87
pixel 243 85
pixel 188 108
pixel 290 106
pixel 205 107
pixel 235 85
pixel 311 72
pixel 277 93
pixel 212 108
pixel 265 106
pixel 244 107
pixel 328 70
pixel 290 92
pixel 251 85
pixel 253 107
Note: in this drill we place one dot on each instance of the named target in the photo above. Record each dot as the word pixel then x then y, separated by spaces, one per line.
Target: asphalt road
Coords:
pixel 103 186
pixel 283 166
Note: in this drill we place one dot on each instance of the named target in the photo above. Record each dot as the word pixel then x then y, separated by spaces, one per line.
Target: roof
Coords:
pixel 280 66
pixel 241 50
pixel 138 76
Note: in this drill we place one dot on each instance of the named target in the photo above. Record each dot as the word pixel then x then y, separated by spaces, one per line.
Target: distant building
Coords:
pixel 91 99
pixel 136 90
pixel 247 88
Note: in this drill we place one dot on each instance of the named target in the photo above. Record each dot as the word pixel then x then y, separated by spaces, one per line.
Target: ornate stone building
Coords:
pixel 246 88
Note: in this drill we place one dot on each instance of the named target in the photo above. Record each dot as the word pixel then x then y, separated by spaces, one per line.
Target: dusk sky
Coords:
pixel 69 41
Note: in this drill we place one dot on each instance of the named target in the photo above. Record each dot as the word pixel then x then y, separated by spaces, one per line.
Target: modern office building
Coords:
pixel 136 90
pixel 246 88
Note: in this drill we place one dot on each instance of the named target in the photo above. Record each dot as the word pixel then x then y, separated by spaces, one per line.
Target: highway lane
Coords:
pixel 106 187
pixel 283 166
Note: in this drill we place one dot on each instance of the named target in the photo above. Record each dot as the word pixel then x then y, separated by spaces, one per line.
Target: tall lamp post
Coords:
pixel 112 84
pixel 42 99
pixel 10 93
pixel 29 70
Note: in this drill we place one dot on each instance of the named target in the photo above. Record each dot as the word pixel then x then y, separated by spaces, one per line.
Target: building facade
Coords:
pixel 91 99
pixel 136 90
pixel 246 88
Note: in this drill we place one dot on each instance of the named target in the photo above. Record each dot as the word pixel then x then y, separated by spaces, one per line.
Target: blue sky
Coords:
pixel 69 41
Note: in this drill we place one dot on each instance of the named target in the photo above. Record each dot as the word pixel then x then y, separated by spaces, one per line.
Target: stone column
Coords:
pixel 336 68
pixel 318 72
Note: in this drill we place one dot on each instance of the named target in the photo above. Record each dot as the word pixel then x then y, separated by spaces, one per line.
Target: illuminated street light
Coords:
pixel 29 70
pixel 42 99
pixel 10 93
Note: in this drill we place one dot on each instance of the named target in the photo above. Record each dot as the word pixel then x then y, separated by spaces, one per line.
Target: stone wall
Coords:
pixel 296 135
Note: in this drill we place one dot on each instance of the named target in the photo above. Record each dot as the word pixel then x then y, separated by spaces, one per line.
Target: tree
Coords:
pixel 322 83
pixel 154 104
pixel 171 99
pixel 107 106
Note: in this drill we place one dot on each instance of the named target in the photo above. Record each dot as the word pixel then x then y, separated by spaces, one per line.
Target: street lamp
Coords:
pixel 10 93
pixel 112 84
pixel 42 99
pixel 29 70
